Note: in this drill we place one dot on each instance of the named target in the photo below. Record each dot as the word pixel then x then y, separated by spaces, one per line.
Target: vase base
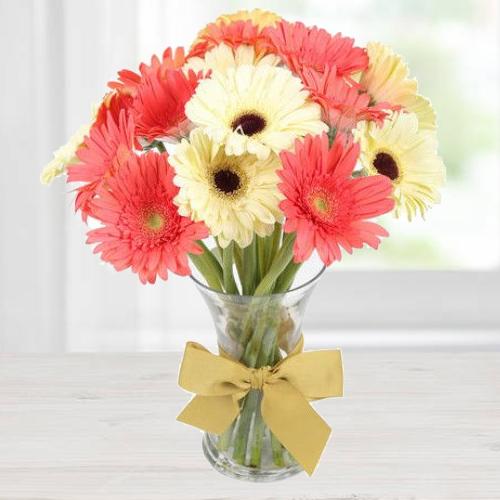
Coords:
pixel 228 467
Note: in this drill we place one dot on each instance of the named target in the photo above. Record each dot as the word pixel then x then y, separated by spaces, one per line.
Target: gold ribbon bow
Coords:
pixel 220 382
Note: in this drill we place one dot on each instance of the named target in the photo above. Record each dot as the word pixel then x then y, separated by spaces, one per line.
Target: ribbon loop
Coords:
pixel 219 382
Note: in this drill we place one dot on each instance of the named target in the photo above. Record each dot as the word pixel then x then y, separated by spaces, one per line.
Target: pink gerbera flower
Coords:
pixel 107 146
pixel 233 34
pixel 129 81
pixel 324 205
pixel 343 105
pixel 160 101
pixel 302 47
pixel 142 227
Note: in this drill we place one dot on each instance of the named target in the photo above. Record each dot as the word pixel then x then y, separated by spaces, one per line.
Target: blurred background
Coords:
pixel 434 282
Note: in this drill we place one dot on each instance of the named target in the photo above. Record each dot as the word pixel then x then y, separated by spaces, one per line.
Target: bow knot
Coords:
pixel 259 376
pixel 219 382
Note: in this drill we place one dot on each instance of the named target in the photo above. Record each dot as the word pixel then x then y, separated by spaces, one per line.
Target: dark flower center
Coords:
pixel 227 181
pixel 386 165
pixel 248 124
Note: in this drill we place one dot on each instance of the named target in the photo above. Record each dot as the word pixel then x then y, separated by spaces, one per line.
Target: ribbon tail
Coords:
pixel 295 423
pixel 212 414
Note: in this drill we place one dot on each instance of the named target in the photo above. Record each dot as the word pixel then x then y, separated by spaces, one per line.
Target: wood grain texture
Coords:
pixel 413 425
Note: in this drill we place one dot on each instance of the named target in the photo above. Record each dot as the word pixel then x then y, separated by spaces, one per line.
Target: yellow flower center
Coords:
pixel 154 221
pixel 385 164
pixel 323 204
pixel 249 123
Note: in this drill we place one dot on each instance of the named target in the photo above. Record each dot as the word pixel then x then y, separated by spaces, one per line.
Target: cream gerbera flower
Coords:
pixel 254 109
pixel 408 156
pixel 222 57
pixel 64 156
pixel 235 196
pixel 387 80
pixel 259 17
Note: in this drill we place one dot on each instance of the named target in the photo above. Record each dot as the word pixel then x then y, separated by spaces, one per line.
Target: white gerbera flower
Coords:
pixel 235 196
pixel 407 155
pixel 387 80
pixel 255 109
pixel 64 156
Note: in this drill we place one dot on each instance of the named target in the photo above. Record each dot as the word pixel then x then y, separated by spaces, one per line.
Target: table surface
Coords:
pixel 412 425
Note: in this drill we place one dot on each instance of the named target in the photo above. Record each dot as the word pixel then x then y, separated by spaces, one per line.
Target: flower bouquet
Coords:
pixel 264 142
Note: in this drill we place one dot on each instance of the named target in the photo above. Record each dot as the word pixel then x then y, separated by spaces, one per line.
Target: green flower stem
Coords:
pixel 208 266
pixel 238 261
pixel 158 145
pixel 258 437
pixel 251 359
pixel 225 438
pixel 217 253
pixel 278 450
pixel 269 355
pixel 247 275
pixel 261 257
pixel 249 268
pixel 252 348
pixel 263 267
pixel 227 270
pixel 285 280
pixel 283 257
pixel 210 257
pixel 275 242
pixel 245 420
pixel 212 277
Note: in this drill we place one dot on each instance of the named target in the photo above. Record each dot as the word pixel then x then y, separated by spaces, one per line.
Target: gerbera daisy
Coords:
pixel 302 47
pixel 343 105
pixel 129 81
pixel 407 155
pixel 142 228
pixel 106 147
pixel 236 196
pixel 113 103
pixel 64 156
pixel 324 205
pixel 387 80
pixel 254 109
pixel 259 17
pixel 232 33
pixel 159 103
pixel 223 57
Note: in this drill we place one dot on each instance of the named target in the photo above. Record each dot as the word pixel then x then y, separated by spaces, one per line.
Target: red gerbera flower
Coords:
pixel 142 227
pixel 107 146
pixel 324 205
pixel 343 105
pixel 232 34
pixel 302 47
pixel 113 103
pixel 160 101
pixel 128 80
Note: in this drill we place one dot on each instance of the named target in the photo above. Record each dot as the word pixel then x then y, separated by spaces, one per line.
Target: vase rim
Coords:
pixel 308 282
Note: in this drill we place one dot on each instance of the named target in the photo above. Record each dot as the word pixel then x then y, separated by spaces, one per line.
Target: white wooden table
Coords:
pixel 413 425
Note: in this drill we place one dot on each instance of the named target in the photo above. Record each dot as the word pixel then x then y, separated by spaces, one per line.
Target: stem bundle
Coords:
pixel 263 270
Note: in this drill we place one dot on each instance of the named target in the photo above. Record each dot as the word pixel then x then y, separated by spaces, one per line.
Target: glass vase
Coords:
pixel 256 331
